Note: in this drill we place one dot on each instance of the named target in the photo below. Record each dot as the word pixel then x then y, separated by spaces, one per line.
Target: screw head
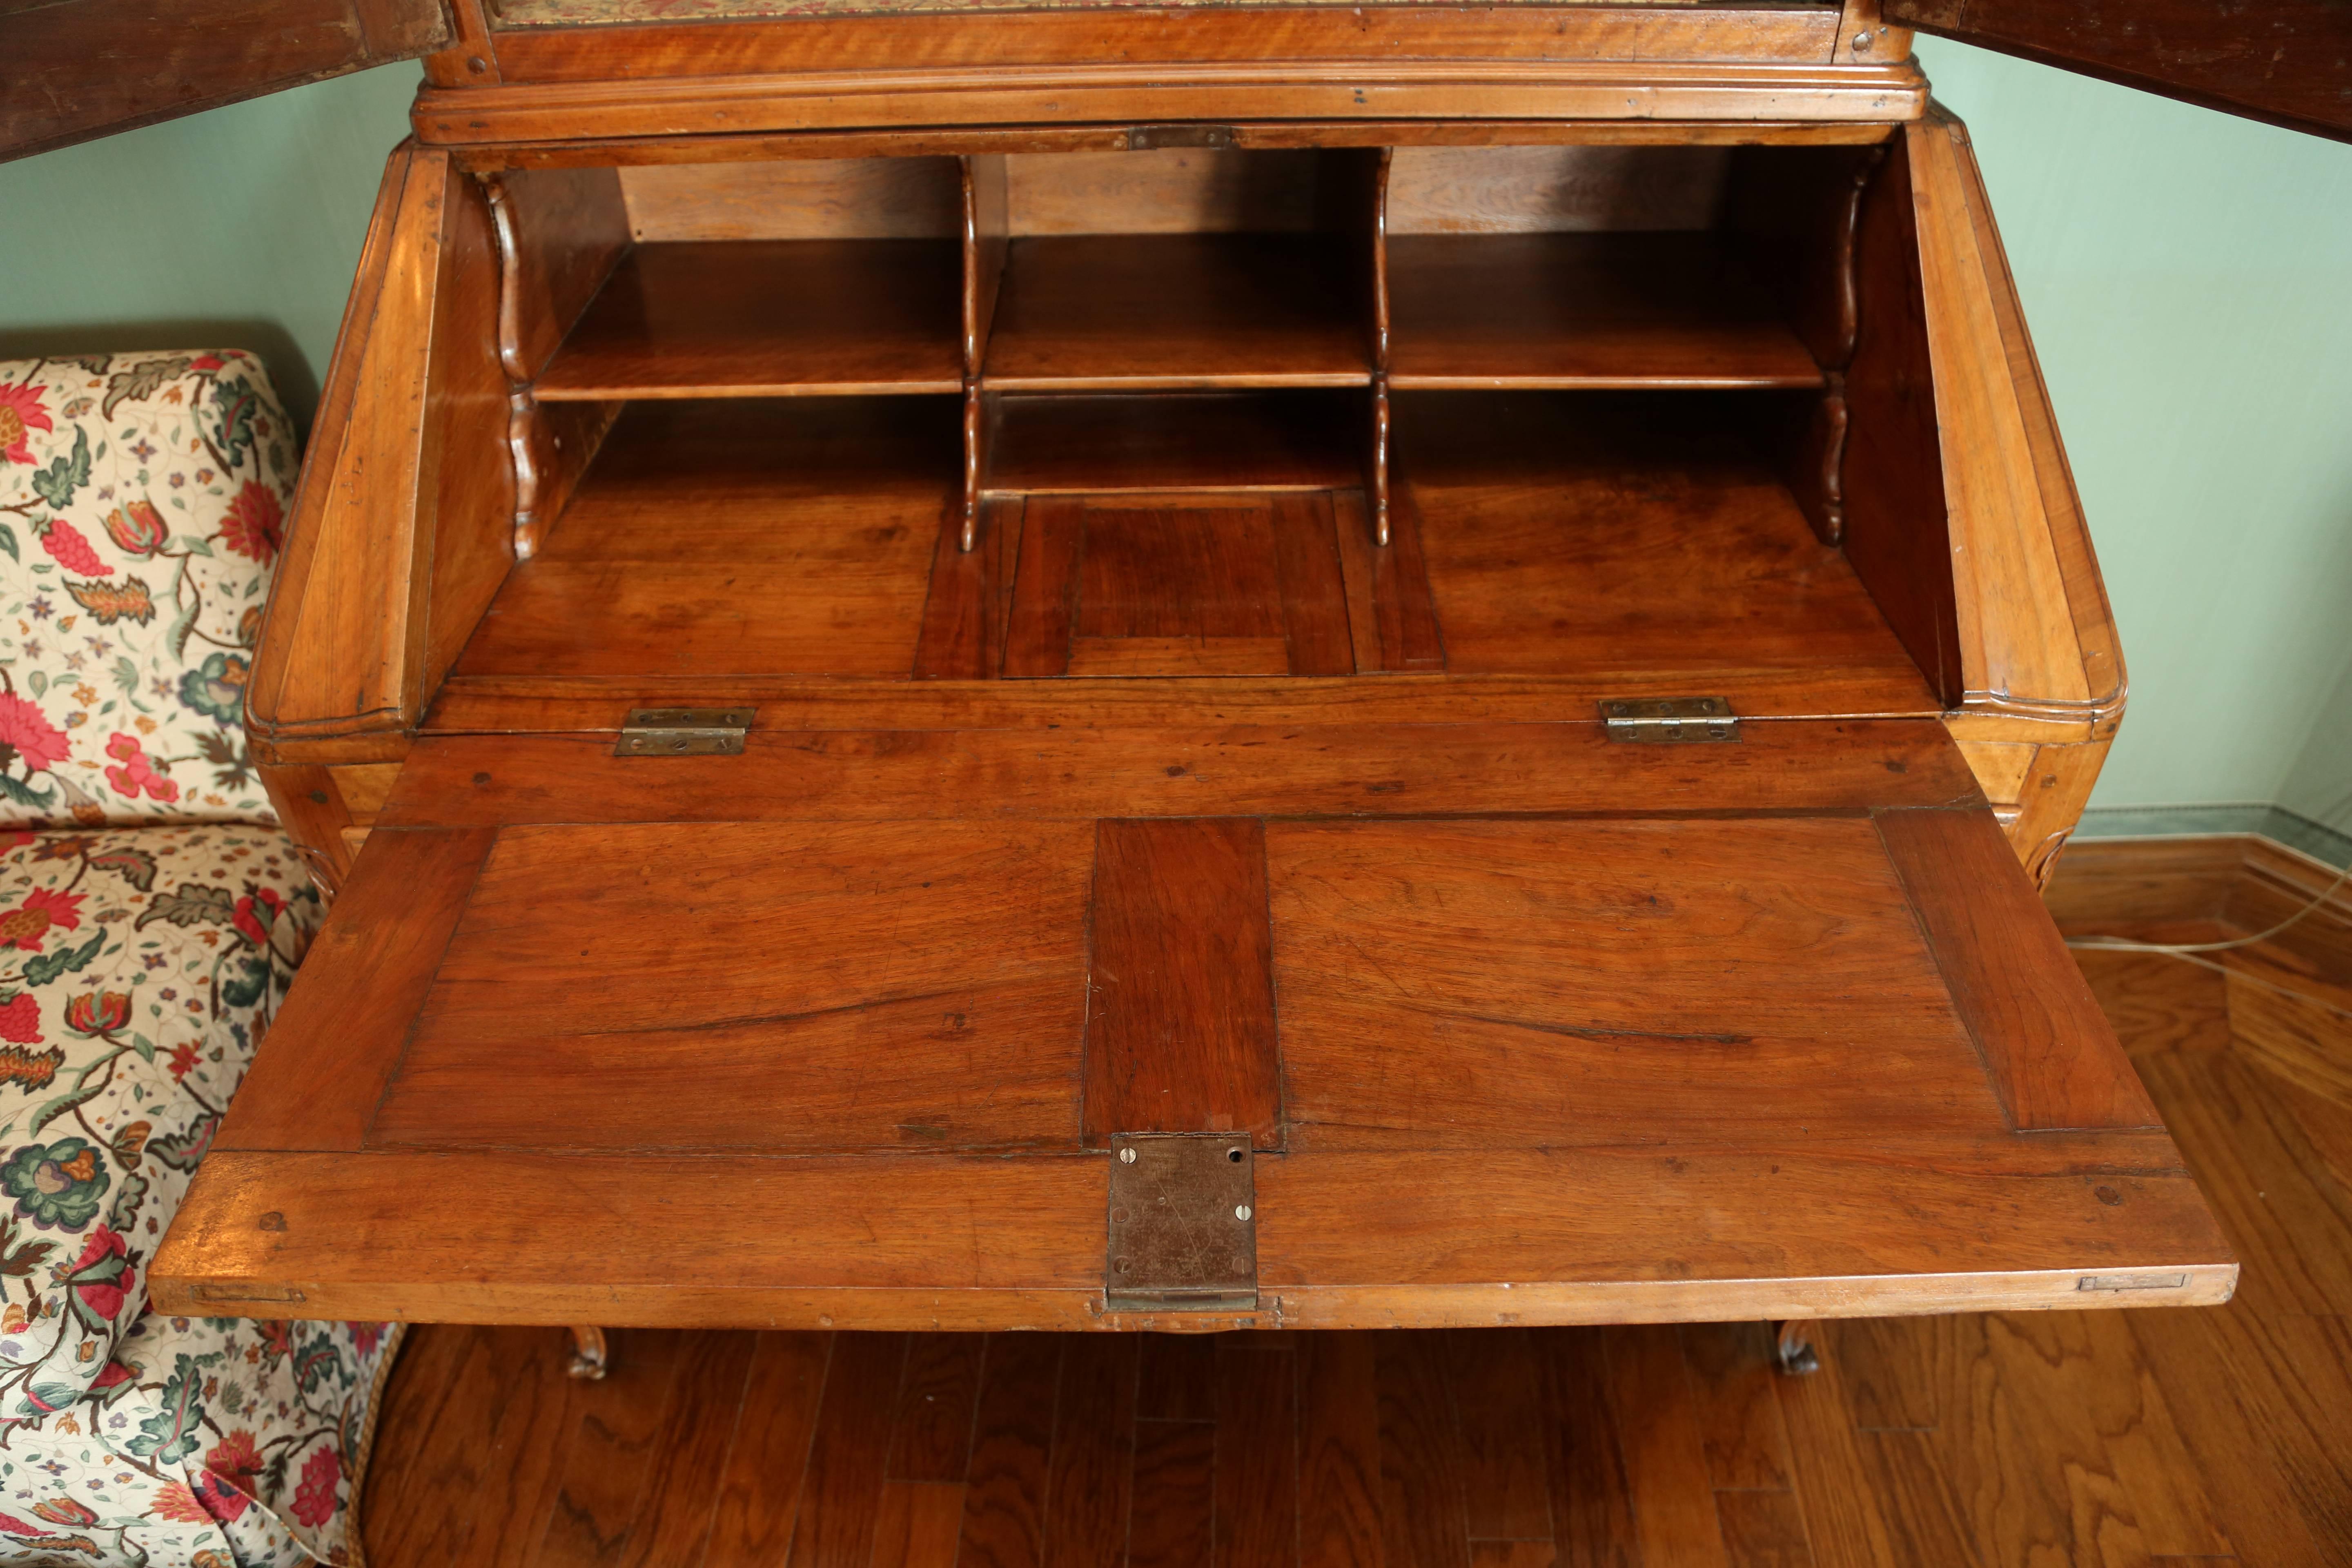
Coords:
pixel 1862 43
pixel 1127 1156
pixel 1241 1211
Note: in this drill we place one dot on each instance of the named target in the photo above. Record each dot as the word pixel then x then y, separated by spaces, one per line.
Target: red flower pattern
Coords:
pixel 63 540
pixel 20 415
pixel 20 1019
pixel 138 528
pixel 314 1498
pixel 104 1294
pixel 29 924
pixel 98 1012
pixel 255 522
pixel 28 731
pixel 136 774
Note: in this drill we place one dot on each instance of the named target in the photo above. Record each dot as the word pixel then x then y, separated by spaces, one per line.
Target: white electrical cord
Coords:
pixel 2187 951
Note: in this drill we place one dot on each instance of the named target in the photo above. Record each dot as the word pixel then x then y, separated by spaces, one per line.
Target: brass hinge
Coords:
pixel 1184 1224
pixel 1670 720
pixel 684 733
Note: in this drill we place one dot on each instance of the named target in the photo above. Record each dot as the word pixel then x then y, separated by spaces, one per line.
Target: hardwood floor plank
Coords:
pixel 1592 1498
pixel 1908 1473
pixel 1666 1449
pixel 619 1425
pixel 842 1496
pixel 1731 1372
pixel 469 1413
pixel 1339 1451
pixel 1424 1517
pixel 1172 1524
pixel 1762 1529
pixel 766 1470
pixel 1091 1473
pixel 2143 1440
pixel 1180 1033
pixel 930 1438
pixel 918 1524
pixel 1835 1483
pixel 1179 1378
pixel 1894 1369
pixel 1013 1438
pixel 1495 1375
pixel 1256 1488
pixel 685 1475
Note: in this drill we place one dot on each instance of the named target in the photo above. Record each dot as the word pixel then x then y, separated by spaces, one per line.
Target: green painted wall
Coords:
pixel 2185 275
pixel 2183 272
pixel 237 228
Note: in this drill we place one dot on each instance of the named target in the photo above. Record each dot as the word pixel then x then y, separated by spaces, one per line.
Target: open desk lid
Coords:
pixel 2286 61
pixel 74 70
pixel 1473 1023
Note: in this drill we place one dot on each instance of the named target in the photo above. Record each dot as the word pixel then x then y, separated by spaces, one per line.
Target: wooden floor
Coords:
pixel 2150 1437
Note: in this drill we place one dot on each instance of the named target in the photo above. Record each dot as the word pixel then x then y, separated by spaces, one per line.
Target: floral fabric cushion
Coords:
pixel 142 503
pixel 139 969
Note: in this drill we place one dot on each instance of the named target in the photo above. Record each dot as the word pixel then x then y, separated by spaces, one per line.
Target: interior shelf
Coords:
pixel 1582 311
pixel 1184 441
pixel 768 319
pixel 1131 312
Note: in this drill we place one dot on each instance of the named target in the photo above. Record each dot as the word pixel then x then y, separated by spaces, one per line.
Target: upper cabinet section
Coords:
pixel 73 70
pixel 546 72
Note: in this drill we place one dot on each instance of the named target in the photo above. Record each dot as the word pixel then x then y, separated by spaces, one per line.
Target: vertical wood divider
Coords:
pixel 986 236
pixel 1377 490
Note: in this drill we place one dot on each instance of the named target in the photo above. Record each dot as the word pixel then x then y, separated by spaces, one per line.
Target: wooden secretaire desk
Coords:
pixel 1112 668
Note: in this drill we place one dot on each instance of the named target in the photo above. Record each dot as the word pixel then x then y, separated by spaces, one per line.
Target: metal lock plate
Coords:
pixel 1151 138
pixel 1670 720
pixel 684 733
pixel 1184 1224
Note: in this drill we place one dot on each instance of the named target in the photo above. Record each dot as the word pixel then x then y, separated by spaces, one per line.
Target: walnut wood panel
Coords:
pixel 888 1028
pixel 1111 312
pixel 1604 973
pixel 816 518
pixel 1198 585
pixel 1175 190
pixel 341 656
pixel 1630 535
pixel 1544 187
pixel 561 234
pixel 1179 1009
pixel 794 198
pixel 485 705
pixel 468 533
pixel 767 319
pixel 89 67
pixel 1179 441
pixel 2050 1055
pixel 2280 63
pixel 1583 310
pixel 1897 524
pixel 589 151
pixel 376 959
pixel 2017 641
pixel 1067 773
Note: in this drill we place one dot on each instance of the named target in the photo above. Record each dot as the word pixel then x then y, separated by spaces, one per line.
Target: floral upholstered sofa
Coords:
pixel 151 918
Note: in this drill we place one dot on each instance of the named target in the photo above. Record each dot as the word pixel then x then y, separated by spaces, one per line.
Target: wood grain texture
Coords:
pixel 1073 775
pixel 1180 1010
pixel 820 519
pixel 1593 311
pixel 792 199
pixel 889 1029
pixel 2050 1056
pixel 2284 64
pixel 91 68
pixel 1178 442
pixel 768 318
pixel 1541 513
pixel 1113 312
pixel 2145 1437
